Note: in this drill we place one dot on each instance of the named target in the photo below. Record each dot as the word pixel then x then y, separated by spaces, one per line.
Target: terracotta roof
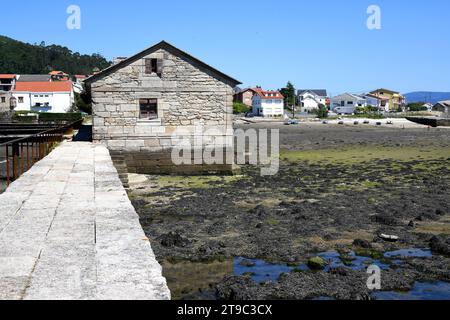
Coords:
pixel 7 76
pixel 34 78
pixel 57 73
pixel 379 97
pixel 62 86
pixel 268 95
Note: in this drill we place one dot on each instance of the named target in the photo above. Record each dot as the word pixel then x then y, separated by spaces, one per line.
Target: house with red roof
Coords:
pixel 245 96
pixel 7 82
pixel 55 97
pixel 59 76
pixel 269 104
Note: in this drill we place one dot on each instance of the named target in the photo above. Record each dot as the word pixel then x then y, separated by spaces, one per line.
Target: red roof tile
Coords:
pixel 58 73
pixel 268 95
pixel 7 76
pixel 58 86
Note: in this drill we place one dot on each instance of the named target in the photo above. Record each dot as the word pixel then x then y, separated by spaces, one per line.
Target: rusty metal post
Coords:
pixel 7 165
pixel 22 165
pixel 28 155
pixel 15 151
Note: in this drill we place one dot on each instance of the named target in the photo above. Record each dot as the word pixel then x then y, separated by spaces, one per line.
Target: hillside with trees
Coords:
pixel 23 58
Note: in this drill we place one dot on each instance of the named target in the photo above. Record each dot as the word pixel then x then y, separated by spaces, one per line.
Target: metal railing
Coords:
pixel 21 154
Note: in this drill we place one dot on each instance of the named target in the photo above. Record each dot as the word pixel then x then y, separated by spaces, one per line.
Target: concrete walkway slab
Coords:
pixel 68 231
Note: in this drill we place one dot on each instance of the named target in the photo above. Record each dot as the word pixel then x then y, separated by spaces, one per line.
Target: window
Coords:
pixel 20 99
pixel 3 99
pixel 148 109
pixel 342 103
pixel 153 66
pixel 350 102
pixel 36 96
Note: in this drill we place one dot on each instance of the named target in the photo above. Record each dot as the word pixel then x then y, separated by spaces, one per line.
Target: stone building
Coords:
pixel 245 96
pixel 5 104
pixel 140 102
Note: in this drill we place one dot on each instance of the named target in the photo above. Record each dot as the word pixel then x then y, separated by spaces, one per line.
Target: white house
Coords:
pixel 379 102
pixel 78 85
pixel 311 99
pixel 443 107
pixel 347 103
pixel 54 97
pixel 268 104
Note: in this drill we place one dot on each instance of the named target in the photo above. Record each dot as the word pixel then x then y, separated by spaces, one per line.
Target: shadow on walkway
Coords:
pixel 84 134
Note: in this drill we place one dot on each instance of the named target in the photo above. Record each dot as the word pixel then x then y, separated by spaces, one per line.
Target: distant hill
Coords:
pixel 23 58
pixel 425 96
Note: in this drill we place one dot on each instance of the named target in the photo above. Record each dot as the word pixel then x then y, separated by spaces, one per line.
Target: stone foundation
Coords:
pixel 161 163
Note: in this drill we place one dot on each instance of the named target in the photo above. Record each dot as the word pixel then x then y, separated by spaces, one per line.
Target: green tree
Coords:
pixel 23 58
pixel 240 108
pixel 82 103
pixel 289 95
pixel 323 111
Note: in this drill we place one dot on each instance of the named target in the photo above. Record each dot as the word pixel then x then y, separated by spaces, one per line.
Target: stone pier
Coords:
pixel 68 231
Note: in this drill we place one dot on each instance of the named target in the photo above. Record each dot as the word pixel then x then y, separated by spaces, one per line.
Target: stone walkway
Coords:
pixel 69 231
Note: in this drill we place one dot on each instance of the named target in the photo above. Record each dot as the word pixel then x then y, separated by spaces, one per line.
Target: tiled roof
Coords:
pixel 7 76
pixel 379 97
pixel 58 86
pixel 318 92
pixel 57 73
pixel 34 78
pixel 268 95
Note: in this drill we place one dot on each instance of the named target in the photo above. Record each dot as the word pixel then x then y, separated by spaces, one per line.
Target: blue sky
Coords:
pixel 314 44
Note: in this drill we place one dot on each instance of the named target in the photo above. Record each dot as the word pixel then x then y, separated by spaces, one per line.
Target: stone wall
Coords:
pixel 187 95
pixel 4 102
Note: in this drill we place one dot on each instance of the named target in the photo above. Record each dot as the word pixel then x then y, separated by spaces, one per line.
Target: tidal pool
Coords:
pixel 421 291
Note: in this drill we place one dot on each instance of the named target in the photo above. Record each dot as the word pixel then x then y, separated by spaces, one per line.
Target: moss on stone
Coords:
pixel 317 263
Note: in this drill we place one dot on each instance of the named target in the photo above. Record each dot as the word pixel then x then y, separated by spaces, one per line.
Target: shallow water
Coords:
pixel 409 253
pixel 193 279
pixel 421 291
pixel 261 271
pixel 357 263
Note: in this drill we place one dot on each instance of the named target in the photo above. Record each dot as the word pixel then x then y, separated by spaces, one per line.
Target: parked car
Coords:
pixel 291 122
pixel 249 115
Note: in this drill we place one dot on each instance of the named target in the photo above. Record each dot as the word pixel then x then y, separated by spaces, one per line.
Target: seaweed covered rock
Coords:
pixel 317 263
pixel 440 245
pixel 173 239
pixel 362 244
pixel 237 289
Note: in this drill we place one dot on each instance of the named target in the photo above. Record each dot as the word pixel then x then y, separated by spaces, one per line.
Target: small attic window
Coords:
pixel 153 66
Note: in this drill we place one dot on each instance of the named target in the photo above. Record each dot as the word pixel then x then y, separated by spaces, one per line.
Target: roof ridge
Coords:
pixel 161 45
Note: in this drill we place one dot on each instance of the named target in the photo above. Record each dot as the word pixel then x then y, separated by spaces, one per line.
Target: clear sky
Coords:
pixel 314 44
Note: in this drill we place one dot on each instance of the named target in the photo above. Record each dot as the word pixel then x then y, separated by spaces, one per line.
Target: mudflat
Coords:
pixel 338 191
